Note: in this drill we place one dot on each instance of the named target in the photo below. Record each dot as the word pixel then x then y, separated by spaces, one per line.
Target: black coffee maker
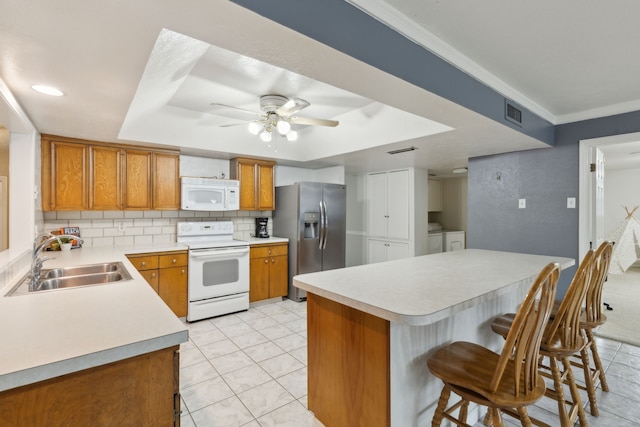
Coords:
pixel 261 227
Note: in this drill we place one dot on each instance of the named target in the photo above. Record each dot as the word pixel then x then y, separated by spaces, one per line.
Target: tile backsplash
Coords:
pixel 126 228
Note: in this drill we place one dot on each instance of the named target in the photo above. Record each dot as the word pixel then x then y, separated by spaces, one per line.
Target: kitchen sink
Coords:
pixel 73 277
pixel 81 270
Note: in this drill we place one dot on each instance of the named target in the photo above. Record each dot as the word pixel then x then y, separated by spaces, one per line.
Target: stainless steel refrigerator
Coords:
pixel 312 215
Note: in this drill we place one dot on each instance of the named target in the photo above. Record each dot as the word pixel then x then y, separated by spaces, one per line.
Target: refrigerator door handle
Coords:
pixel 321 233
pixel 326 226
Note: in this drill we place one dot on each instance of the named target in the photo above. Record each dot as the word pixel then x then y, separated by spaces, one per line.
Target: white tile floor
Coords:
pixel 250 369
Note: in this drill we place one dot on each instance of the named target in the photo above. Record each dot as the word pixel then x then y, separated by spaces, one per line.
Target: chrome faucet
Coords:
pixel 39 243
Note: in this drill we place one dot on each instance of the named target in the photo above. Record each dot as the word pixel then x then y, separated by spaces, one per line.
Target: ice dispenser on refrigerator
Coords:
pixel 311 225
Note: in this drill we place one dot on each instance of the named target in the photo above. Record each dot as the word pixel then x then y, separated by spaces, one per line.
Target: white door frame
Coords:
pixel 585 208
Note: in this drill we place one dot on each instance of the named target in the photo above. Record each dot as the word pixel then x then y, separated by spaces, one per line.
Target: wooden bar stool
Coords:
pixel 499 381
pixel 561 339
pixel 591 317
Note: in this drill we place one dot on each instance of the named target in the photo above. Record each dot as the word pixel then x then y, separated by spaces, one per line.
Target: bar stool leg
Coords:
pixel 497 418
pixel 575 395
pixel 488 417
pixel 524 417
pixel 558 393
pixel 442 405
pixel 596 360
pixel 463 412
pixel 588 380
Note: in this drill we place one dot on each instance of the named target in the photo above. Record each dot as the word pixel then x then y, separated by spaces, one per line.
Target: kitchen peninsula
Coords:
pixel 371 329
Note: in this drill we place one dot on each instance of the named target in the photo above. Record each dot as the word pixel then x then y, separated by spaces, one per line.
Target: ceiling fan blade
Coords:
pixel 292 106
pixel 234 112
pixel 313 122
pixel 229 125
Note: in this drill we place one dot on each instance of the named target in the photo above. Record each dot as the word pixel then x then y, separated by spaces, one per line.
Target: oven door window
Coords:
pixel 220 272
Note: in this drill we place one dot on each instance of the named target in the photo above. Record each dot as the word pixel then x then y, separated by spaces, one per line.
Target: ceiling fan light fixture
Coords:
pixel 265 136
pixel 255 128
pixel 283 126
pixel 292 136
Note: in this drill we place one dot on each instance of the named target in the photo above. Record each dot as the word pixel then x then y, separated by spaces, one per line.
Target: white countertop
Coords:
pixel 47 334
pixel 273 239
pixel 425 289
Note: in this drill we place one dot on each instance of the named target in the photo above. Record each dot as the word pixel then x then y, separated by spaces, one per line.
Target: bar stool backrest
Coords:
pixel 593 306
pixel 523 341
pixel 566 323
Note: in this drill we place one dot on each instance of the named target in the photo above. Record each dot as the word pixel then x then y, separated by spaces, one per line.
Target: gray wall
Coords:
pixel 342 26
pixel 545 178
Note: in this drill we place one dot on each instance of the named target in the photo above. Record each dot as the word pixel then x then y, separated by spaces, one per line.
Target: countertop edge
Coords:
pixel 64 367
pixel 416 320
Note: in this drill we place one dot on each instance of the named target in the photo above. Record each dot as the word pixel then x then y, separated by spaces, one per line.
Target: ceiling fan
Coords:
pixel 278 114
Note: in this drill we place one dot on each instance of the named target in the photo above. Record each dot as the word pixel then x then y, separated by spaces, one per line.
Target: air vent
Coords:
pixel 512 113
pixel 402 150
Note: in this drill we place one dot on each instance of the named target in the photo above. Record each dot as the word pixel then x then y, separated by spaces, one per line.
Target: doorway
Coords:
pixel 588 226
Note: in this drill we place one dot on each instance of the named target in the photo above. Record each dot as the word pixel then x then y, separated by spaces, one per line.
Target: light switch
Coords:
pixel 522 203
pixel 571 202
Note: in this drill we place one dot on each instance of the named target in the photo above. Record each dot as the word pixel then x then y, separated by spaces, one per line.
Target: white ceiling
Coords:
pixel 146 71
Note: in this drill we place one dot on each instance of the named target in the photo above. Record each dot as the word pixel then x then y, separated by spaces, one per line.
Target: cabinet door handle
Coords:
pixel 143 263
pixel 266 261
pixel 183 271
pixel 153 274
pixel 273 260
pixel 174 260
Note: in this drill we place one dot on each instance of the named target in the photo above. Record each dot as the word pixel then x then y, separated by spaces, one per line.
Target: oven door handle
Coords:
pixel 208 253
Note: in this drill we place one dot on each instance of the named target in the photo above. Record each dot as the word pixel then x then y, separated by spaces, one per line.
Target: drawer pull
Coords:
pixel 143 263
pixel 174 260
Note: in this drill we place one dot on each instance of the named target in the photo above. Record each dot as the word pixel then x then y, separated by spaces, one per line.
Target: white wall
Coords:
pixel 204 167
pixel 356 240
pixel 287 175
pixel 620 189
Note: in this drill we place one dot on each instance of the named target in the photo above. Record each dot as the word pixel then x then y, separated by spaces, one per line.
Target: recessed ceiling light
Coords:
pixel 47 90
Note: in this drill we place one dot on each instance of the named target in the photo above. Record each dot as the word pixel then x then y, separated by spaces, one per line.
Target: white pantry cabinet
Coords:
pixel 389 204
pixel 385 250
pixel 453 240
pixel 397 214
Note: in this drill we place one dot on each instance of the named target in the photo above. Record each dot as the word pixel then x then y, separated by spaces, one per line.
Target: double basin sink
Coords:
pixel 73 277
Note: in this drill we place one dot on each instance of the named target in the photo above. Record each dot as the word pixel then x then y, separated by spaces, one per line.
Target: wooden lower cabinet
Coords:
pixel 269 271
pixel 349 365
pixel 139 391
pixel 167 273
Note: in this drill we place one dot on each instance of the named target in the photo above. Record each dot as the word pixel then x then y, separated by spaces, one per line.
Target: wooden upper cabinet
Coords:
pixel 106 178
pixel 65 183
pixel 88 175
pixel 256 183
pixel 137 179
pixel 166 179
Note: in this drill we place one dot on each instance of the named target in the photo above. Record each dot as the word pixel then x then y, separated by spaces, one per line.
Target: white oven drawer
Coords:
pixel 217 306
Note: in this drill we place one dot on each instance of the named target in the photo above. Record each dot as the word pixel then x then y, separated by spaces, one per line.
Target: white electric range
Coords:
pixel 218 269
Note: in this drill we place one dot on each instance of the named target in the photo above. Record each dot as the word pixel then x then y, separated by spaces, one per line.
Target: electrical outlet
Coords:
pixel 121 226
pixel 522 203
pixel 571 202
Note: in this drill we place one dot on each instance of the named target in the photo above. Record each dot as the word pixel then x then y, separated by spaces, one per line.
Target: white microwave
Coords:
pixel 209 194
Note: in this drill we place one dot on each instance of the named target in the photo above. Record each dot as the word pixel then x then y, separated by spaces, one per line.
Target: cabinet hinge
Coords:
pixel 592 167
